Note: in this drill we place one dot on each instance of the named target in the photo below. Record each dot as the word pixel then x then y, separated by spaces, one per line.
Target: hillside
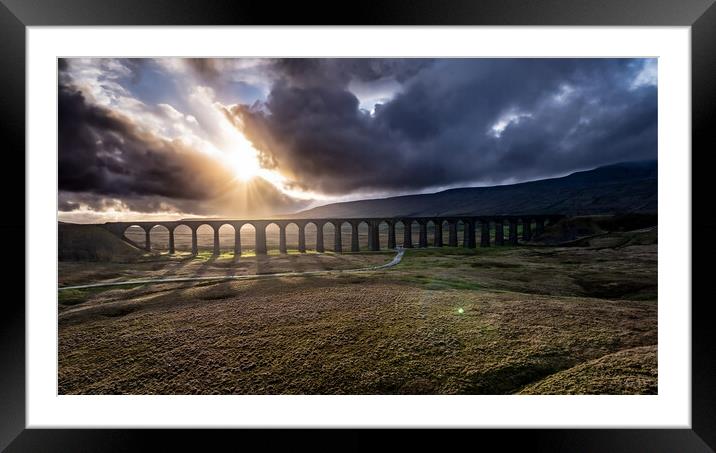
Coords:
pixel 92 243
pixel 629 187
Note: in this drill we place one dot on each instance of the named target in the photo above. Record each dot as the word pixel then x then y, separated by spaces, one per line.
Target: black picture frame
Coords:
pixel 700 15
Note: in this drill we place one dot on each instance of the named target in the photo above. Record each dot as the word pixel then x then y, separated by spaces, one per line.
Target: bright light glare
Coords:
pixel 243 158
pixel 244 164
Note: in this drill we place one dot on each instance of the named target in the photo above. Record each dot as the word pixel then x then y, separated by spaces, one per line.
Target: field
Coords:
pixel 500 320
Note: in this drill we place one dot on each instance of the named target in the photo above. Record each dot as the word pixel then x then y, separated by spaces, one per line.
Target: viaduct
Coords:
pixel 469 223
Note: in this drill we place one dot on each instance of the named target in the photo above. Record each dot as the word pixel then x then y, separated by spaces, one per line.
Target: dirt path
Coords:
pixel 396 259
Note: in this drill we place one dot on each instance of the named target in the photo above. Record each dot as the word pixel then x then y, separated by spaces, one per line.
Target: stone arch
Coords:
pixel 329 236
pixel 470 232
pixel 363 239
pixel 453 235
pixel 159 237
pixel 415 230
pixel 422 232
pixel 461 233
pixel 445 227
pixel 391 239
pixel 227 236
pixel 182 237
pixel 292 232
pixel 136 235
pixel 435 233
pixel 400 232
pixel 347 236
pixel 247 232
pixel 204 237
pixel 311 233
pixel 273 238
pixel 383 233
pixel 339 241
pixel 373 234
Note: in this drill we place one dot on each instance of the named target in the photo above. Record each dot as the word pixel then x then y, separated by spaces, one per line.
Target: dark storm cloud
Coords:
pixel 340 71
pixel 105 157
pixel 454 122
pixel 102 151
pixel 72 201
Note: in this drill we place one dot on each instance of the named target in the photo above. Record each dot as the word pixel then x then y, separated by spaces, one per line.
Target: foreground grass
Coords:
pixel 339 335
pixel 632 370
pixel 444 321
pixel 601 272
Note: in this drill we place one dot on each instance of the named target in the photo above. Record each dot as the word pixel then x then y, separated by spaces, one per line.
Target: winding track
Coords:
pixel 396 259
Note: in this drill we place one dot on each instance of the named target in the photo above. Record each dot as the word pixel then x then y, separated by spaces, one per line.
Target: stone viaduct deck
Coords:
pixel 469 224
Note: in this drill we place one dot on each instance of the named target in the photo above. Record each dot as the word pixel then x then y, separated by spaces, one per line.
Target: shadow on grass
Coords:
pixel 512 377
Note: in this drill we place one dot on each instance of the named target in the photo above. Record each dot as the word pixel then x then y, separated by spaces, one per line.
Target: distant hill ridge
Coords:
pixel 628 187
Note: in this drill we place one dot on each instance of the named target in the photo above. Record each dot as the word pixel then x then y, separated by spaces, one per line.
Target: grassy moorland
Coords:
pixel 528 319
pixel 204 264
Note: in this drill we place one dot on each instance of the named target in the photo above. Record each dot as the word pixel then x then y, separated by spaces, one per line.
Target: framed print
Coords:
pixel 479 216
